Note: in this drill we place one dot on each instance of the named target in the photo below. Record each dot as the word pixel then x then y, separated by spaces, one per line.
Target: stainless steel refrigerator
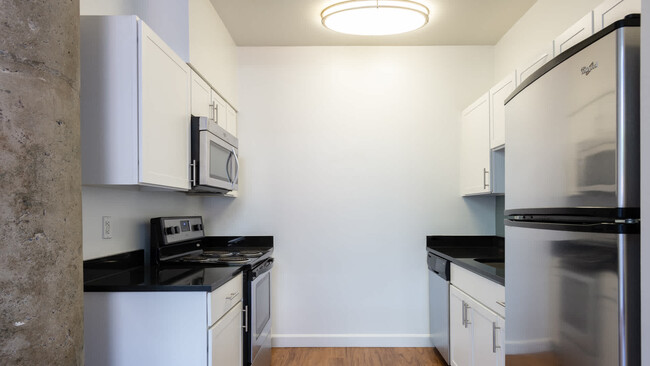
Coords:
pixel 572 206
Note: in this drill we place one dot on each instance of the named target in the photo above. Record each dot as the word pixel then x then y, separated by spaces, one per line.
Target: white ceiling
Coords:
pixel 297 23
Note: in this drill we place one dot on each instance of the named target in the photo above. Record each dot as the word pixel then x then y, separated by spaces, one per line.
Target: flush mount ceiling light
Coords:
pixel 375 17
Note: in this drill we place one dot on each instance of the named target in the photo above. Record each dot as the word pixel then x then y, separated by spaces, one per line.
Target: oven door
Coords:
pixel 218 163
pixel 260 331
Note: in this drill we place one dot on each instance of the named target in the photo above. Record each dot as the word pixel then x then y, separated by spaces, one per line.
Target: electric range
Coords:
pixel 180 242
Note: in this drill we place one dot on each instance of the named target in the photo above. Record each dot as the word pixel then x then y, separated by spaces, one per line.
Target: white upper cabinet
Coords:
pixel 527 69
pixel 481 168
pixel 231 120
pixel 498 95
pixel 475 147
pixel 613 10
pixel 574 34
pixel 192 28
pixel 220 111
pixel 206 102
pixel 201 97
pixel 212 51
pixel 135 106
pixel 165 113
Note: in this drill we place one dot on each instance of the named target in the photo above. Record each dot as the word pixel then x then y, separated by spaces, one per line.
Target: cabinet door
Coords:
pixel 201 97
pixel 527 69
pixel 576 33
pixel 225 339
pixel 612 10
pixel 231 120
pixel 212 51
pixel 485 325
pixel 498 95
pixel 164 119
pixel 460 335
pixel 475 148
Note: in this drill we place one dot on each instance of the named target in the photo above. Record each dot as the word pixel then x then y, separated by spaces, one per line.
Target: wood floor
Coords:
pixel 355 356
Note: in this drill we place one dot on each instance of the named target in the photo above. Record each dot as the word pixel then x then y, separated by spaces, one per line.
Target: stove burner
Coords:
pixel 193 258
pixel 250 253
pixel 217 253
pixel 234 259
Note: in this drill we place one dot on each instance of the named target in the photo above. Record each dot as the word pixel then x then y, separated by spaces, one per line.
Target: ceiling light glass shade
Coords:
pixel 375 17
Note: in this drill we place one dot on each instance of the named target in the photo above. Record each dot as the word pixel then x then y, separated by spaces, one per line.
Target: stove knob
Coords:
pixel 169 230
pixel 197 227
pixel 177 229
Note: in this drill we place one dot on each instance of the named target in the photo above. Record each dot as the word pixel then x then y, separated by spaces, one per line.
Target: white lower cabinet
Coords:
pixel 165 328
pixel 225 339
pixel 460 334
pixel 476 333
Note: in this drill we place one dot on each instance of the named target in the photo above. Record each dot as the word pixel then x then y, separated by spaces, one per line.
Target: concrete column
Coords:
pixel 41 290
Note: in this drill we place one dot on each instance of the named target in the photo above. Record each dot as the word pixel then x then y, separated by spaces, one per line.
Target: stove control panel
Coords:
pixel 177 229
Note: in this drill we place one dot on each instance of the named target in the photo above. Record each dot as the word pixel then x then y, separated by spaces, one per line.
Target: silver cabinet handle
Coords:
pixel 193 180
pixel 234 181
pixel 485 182
pixel 502 303
pixel 467 322
pixel 245 318
pixel 213 117
pixel 232 295
pixel 494 337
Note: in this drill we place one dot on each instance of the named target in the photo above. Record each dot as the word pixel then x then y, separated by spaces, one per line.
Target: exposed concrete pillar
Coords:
pixel 41 290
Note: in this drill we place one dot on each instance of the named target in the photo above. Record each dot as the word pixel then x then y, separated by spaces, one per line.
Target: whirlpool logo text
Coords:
pixel 585 70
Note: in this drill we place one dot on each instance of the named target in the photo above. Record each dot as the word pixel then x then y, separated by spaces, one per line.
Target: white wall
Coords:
pixel 534 32
pixel 130 210
pixel 350 158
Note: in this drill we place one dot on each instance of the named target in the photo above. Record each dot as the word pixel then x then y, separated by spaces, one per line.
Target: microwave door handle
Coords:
pixel 236 168
pixel 228 164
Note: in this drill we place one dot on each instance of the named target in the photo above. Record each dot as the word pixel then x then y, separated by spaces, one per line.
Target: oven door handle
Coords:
pixel 234 181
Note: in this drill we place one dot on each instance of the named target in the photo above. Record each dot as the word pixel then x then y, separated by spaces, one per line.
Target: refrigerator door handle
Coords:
pixel 611 227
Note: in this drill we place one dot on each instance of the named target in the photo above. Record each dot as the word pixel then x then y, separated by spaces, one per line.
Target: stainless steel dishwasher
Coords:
pixel 439 303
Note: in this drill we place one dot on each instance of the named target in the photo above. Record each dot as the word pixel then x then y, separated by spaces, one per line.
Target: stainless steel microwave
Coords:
pixel 214 158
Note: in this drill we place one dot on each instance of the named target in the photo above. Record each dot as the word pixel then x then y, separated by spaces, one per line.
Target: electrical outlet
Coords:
pixel 107 227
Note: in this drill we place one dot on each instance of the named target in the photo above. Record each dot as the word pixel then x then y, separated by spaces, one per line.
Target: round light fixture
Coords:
pixel 375 17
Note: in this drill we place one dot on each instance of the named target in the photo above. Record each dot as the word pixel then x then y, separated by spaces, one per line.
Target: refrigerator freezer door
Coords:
pixel 572 298
pixel 572 135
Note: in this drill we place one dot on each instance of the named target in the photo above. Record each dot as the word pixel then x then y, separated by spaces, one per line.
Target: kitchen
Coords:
pixel 331 113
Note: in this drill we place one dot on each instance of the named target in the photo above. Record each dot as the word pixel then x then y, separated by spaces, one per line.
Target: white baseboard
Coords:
pixel 351 340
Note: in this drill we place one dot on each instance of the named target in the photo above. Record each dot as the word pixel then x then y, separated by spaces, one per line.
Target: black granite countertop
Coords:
pixel 464 251
pixel 127 272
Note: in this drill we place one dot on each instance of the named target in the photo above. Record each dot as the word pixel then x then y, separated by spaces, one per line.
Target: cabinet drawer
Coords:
pixel 224 298
pixel 487 292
